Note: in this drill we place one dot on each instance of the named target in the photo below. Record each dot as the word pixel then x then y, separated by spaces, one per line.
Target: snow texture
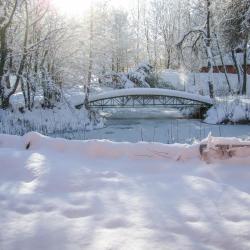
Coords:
pixel 59 194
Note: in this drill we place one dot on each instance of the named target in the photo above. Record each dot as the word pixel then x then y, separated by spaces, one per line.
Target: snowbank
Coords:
pixel 229 110
pixel 58 194
pixel 61 119
pixel 108 149
pixel 100 148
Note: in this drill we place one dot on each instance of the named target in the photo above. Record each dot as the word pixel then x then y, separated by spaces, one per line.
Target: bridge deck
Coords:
pixel 147 97
pixel 151 92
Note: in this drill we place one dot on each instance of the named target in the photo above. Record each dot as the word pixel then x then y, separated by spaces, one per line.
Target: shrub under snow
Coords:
pixel 231 110
pixel 141 76
pixel 62 118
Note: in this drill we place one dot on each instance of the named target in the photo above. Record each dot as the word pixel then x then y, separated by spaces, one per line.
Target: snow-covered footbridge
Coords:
pixel 146 97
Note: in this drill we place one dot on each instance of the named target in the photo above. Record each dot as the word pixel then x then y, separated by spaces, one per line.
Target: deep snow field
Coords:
pixel 74 195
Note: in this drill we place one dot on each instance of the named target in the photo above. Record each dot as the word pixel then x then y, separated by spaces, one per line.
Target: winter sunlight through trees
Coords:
pixel 124 124
pixel 74 8
pixel 71 7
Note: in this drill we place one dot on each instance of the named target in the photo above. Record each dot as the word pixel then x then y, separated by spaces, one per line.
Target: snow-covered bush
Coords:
pixel 165 85
pixel 63 118
pixel 230 110
pixel 141 75
pixel 116 80
pixel 51 93
pixel 154 81
pixel 60 118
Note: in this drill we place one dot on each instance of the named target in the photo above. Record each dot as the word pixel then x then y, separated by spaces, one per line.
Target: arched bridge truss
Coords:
pixel 139 98
pixel 138 101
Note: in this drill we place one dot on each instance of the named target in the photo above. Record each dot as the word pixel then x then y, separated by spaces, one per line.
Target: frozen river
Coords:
pixel 158 126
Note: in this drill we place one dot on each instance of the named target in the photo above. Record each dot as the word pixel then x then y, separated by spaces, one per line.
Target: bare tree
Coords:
pixel 5 23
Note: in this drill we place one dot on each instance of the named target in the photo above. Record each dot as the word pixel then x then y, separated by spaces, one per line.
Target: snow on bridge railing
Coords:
pixel 151 92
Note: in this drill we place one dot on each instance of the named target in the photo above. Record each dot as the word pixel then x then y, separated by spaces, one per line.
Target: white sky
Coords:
pixel 77 7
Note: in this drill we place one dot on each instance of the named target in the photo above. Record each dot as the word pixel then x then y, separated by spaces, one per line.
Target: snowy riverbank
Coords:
pixel 59 194
pixel 63 118
pixel 230 110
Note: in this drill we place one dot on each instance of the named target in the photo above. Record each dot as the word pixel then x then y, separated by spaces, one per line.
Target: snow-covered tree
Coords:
pixel 235 30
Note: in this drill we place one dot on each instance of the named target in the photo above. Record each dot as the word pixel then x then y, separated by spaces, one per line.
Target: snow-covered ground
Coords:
pixel 58 194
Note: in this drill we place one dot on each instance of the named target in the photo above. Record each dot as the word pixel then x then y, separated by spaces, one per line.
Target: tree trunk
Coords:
pixel 138 33
pixel 24 93
pixel 166 50
pixel 4 52
pixel 3 56
pixel 24 55
pixel 237 70
pixel 244 87
pixel 169 58
pixel 91 32
pixel 148 43
pixel 209 51
pixel 223 64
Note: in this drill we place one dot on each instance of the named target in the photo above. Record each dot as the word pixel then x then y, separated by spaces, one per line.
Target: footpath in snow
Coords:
pixel 72 195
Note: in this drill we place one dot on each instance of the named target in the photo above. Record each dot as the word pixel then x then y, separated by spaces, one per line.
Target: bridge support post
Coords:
pixel 202 111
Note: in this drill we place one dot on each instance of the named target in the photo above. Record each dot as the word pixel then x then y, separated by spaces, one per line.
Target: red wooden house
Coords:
pixel 229 64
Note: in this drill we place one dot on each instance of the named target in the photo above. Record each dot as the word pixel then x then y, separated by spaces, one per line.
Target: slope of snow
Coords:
pixel 151 91
pixel 59 194
pixel 198 82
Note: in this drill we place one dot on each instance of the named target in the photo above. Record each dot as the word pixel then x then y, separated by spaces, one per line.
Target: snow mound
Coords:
pixel 228 110
pixel 108 149
pixel 100 148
